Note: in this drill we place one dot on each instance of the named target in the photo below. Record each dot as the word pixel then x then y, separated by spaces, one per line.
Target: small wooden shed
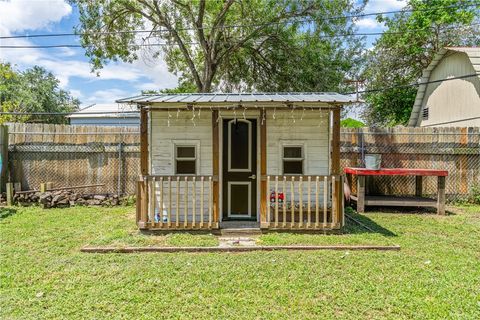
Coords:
pixel 272 159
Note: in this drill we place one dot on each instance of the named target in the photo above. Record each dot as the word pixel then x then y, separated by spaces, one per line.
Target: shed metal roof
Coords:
pixel 221 99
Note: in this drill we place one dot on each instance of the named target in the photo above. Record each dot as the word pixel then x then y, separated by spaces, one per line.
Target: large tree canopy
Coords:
pixel 33 90
pixel 408 46
pixel 229 45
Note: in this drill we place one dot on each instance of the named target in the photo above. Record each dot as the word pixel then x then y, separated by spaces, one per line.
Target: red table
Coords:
pixel 417 201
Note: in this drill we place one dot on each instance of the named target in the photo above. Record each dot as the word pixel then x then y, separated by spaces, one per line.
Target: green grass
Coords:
pixel 43 275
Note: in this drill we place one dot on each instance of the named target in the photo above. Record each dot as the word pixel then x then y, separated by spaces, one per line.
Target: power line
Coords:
pixel 416 84
pixel 362 15
pixel 136 112
pixel 159 44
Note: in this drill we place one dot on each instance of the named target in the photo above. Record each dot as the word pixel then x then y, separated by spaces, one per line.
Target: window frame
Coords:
pixel 186 143
pixel 283 159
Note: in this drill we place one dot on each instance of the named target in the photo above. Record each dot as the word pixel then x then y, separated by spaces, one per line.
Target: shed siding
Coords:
pixel 163 138
pixel 312 132
pixel 456 102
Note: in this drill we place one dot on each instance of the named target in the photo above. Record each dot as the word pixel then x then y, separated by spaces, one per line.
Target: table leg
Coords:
pixel 418 185
pixel 441 195
pixel 360 194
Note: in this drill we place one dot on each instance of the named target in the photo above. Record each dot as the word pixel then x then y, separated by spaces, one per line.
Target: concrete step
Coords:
pixel 240 232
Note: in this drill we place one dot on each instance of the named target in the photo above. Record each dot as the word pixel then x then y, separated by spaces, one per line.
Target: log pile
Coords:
pixel 66 198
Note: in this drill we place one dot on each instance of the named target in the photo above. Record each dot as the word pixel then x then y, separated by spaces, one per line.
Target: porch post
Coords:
pixel 142 190
pixel 263 170
pixel 144 141
pixel 335 167
pixel 215 168
pixel 335 143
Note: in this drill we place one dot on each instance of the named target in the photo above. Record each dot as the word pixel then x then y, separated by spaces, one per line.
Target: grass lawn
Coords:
pixel 43 275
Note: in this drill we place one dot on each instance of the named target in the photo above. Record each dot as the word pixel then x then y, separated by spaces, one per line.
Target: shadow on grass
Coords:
pixel 6 212
pixel 357 224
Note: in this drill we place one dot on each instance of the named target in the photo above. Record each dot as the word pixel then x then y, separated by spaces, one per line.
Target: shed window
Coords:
pixel 185 159
pixel 292 159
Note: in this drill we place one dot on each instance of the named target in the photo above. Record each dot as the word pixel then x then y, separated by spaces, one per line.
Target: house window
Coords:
pixel 425 113
pixel 292 159
pixel 185 159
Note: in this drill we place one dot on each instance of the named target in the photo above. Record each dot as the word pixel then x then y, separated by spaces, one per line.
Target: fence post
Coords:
pixel 9 187
pixel 120 169
pixel 3 156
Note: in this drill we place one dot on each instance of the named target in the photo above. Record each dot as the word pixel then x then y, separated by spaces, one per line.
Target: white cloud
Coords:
pixel 21 15
pixel 106 96
pixel 384 5
pixel 24 15
pixel 368 23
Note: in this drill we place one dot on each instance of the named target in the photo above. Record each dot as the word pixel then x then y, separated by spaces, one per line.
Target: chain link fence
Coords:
pixel 75 156
pixel 456 150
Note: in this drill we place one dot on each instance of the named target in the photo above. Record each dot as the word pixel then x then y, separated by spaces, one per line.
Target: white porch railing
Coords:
pixel 176 202
pixel 304 202
pixel 293 202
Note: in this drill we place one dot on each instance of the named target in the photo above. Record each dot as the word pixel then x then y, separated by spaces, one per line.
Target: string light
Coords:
pixel 169 116
pixel 274 113
pixel 234 115
pixel 193 116
pixel 263 115
pixel 199 110
pixel 303 113
pixel 178 112
pixel 292 114
pixel 244 109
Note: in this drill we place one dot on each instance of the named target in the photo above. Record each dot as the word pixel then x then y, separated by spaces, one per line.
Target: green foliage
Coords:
pixel 474 197
pixel 408 47
pixel 33 90
pixel 351 123
pixel 275 45
pixel 183 87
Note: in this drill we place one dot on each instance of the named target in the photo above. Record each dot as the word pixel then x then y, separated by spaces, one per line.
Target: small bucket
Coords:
pixel 373 161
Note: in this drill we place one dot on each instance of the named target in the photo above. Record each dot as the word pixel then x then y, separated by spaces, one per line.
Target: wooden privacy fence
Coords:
pixel 74 155
pixel 80 155
pixel 456 150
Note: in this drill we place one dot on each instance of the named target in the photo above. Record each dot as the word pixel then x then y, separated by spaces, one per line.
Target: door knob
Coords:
pixel 253 177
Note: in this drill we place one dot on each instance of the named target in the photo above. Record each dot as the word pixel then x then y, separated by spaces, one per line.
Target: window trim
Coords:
pixel 186 143
pixel 292 143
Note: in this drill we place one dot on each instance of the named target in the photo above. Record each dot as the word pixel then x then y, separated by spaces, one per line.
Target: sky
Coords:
pixel 117 79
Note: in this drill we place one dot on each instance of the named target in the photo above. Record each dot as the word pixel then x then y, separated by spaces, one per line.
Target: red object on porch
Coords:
pixel 396 172
pixel 363 200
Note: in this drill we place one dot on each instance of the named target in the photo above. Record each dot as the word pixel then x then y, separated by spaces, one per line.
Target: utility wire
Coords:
pixel 134 112
pixel 416 84
pixel 362 15
pixel 159 44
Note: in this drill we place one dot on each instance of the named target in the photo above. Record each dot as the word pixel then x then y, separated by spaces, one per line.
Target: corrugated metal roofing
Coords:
pixel 239 98
pixel 106 110
pixel 473 54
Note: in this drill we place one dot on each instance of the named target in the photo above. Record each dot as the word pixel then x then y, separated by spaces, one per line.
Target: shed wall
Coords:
pixel 456 102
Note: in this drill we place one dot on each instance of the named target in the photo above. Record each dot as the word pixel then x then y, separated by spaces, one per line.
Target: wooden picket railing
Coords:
pixel 304 202
pixel 294 202
pixel 176 202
